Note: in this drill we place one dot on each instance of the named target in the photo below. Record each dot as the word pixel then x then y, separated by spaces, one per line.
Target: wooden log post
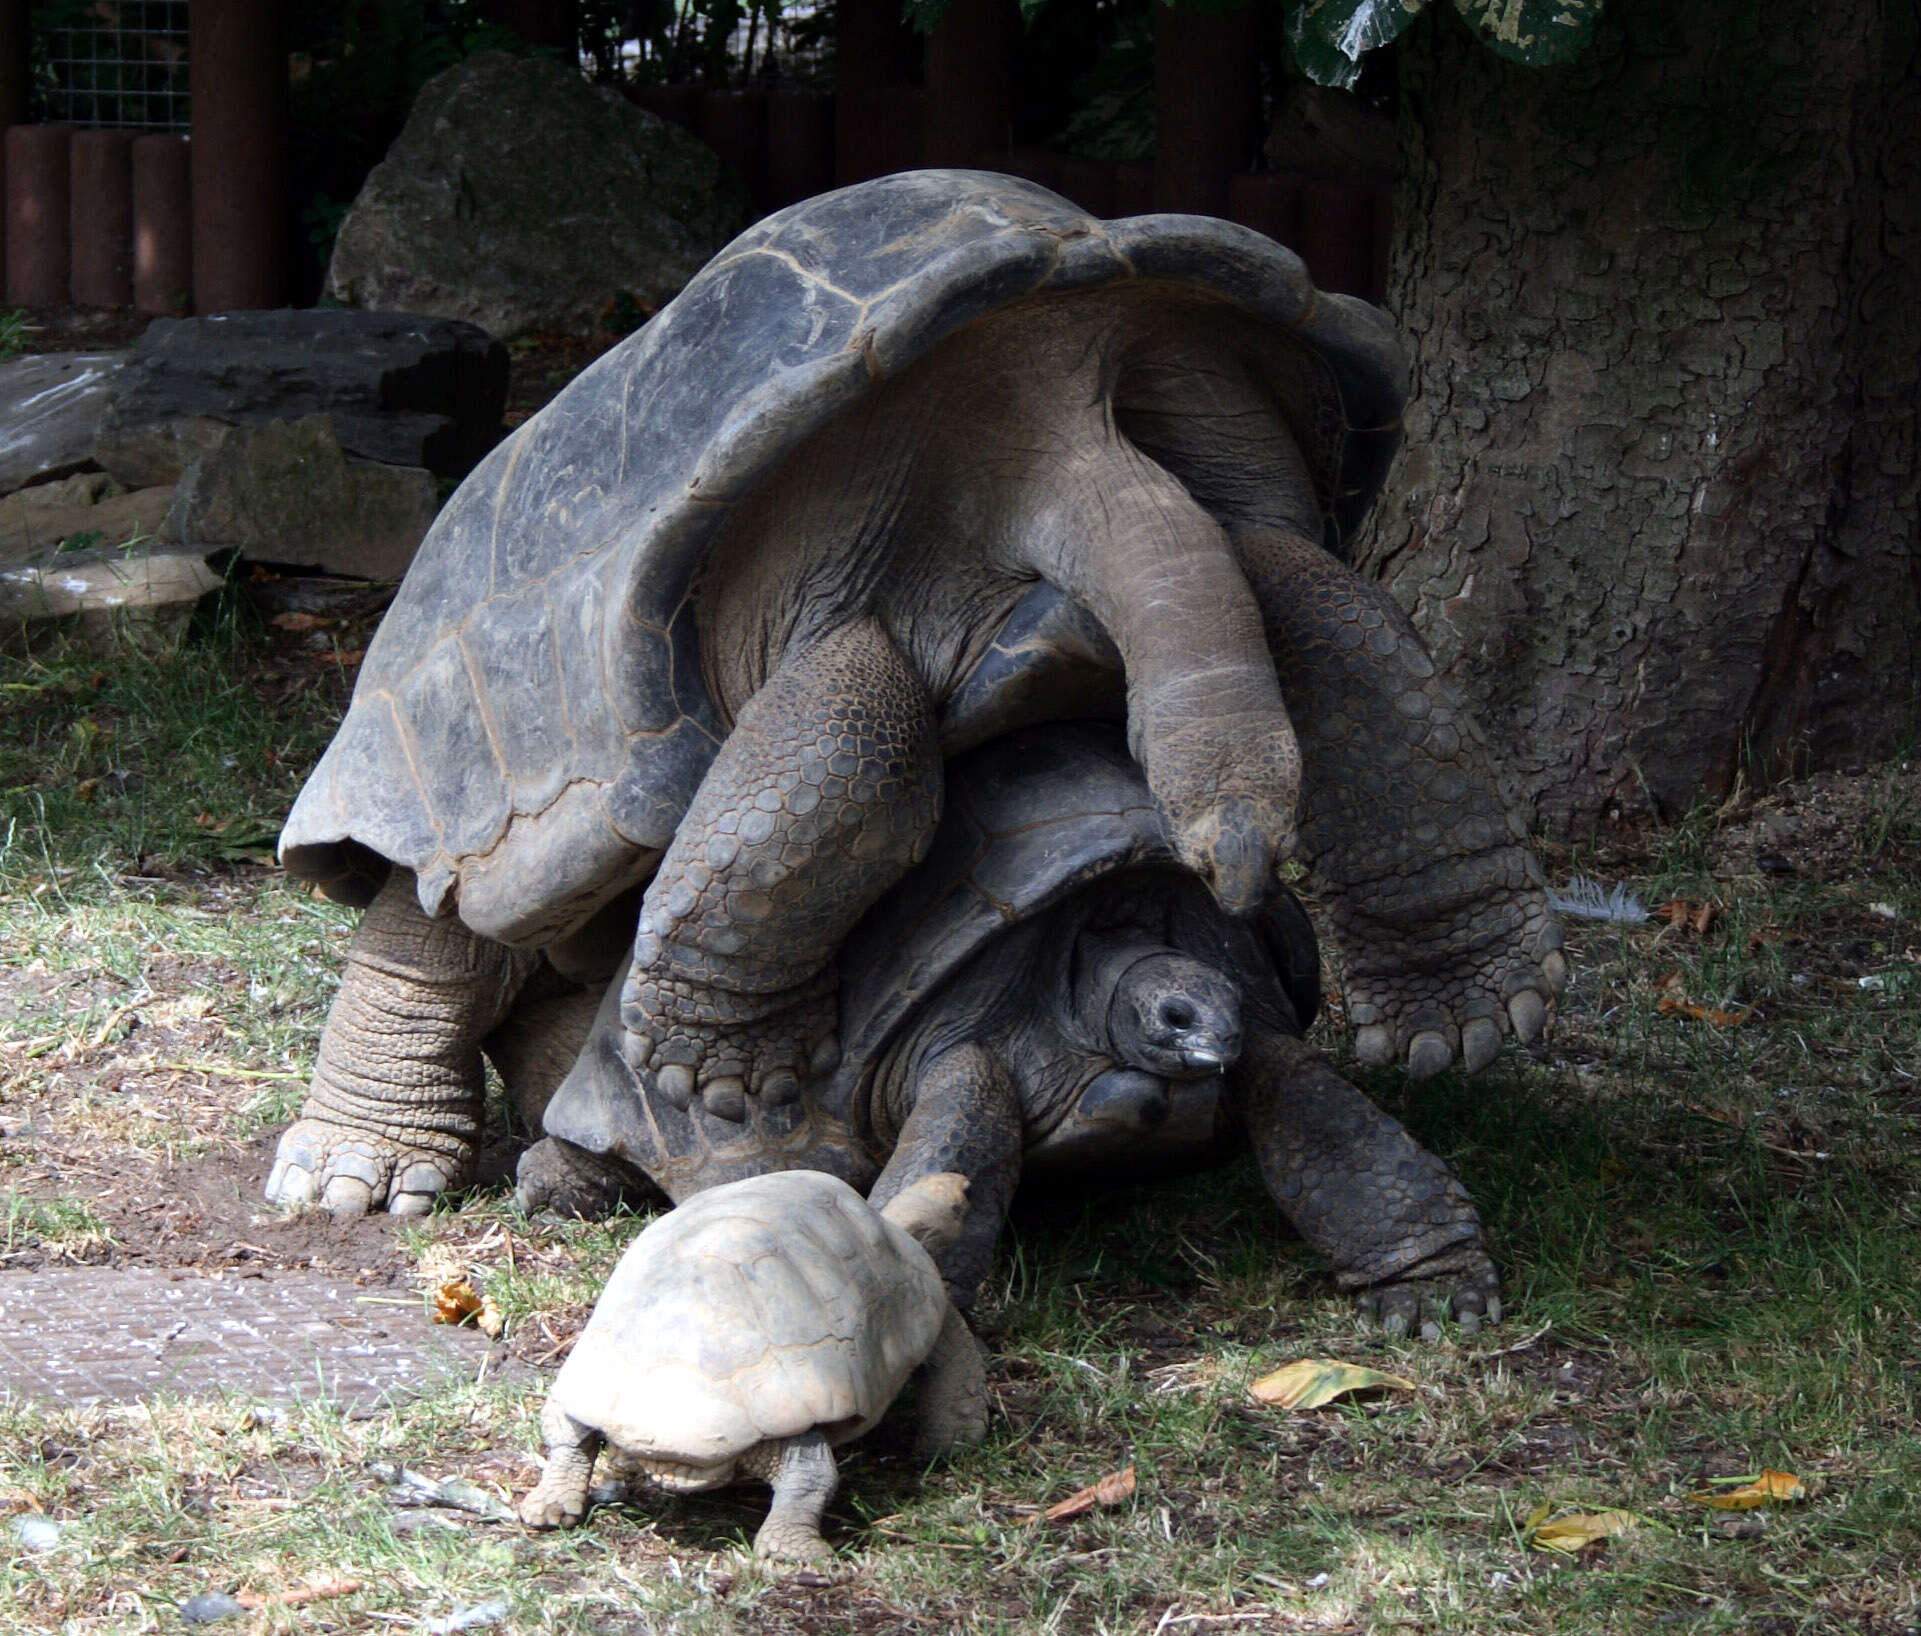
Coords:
pixel 13 95
pixel 734 125
pixel 162 226
pixel 38 206
pixel 873 92
pixel 1207 105
pixel 800 146
pixel 102 218
pixel 970 82
pixel 13 62
pixel 1337 235
pixel 237 63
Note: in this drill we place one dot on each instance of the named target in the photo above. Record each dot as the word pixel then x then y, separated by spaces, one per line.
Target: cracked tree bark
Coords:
pixel 1657 508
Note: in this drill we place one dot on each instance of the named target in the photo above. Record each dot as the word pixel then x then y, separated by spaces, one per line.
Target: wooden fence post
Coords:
pixel 237 65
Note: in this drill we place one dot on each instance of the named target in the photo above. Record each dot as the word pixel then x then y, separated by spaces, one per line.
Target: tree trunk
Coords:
pixel 1657 508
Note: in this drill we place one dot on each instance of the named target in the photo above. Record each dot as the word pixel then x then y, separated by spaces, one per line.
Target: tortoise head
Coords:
pixel 1176 1016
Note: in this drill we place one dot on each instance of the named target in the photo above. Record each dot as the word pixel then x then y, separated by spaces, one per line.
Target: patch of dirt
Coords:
pixel 202 1213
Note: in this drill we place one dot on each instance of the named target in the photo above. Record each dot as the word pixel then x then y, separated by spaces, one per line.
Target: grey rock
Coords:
pixel 50 409
pixel 523 198
pixel 86 510
pixel 401 388
pixel 476 1616
pixel 37 1533
pixel 209 1607
pixel 286 492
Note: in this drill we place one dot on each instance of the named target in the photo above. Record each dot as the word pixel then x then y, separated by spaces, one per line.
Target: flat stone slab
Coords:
pixel 83 1335
pixel 90 583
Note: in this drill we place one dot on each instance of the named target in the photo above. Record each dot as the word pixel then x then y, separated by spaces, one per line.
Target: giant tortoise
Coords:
pixel 749 1332
pixel 1049 989
pixel 906 466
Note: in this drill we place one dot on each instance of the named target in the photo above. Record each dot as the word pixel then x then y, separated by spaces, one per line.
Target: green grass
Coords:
pixel 14 330
pixel 147 757
pixel 1708 1232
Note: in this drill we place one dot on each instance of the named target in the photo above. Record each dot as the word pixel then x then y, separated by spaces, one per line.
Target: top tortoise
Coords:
pixel 905 467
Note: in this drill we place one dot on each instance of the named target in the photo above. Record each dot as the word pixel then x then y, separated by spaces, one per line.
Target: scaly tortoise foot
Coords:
pixel 1444 993
pixel 351 1171
pixel 685 1042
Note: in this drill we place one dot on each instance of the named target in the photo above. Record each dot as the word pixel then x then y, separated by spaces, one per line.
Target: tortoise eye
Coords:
pixel 1177 1014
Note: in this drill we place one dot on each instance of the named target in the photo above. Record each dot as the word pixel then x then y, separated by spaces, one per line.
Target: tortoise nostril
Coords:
pixel 1177 1014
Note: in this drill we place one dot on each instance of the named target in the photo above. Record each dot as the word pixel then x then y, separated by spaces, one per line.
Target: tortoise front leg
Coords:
pixel 953 1391
pixel 965 1117
pixel 824 794
pixel 1389 1217
pixel 1438 905
pixel 393 1112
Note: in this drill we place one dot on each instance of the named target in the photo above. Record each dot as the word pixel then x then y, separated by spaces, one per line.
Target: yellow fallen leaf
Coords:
pixel 1745 1493
pixel 490 1321
pixel 1312 1382
pixel 1113 1489
pixel 456 1301
pixel 1572 1534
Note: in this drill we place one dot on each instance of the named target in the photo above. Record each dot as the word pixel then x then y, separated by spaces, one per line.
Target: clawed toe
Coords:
pixel 729 1066
pixel 545 1511
pixel 797 1551
pixel 1422 1306
pixel 1428 1054
pixel 1527 1012
pixel 726 1098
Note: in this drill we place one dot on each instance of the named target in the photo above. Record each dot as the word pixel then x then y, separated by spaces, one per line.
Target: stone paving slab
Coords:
pixel 83 1335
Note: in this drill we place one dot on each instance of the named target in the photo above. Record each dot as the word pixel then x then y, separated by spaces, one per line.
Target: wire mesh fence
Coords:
pixel 111 62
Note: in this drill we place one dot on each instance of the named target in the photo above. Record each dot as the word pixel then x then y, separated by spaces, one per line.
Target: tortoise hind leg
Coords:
pixel 803 1475
pixel 1390 1218
pixel 394 1108
pixel 824 794
pixel 1440 910
pixel 559 1499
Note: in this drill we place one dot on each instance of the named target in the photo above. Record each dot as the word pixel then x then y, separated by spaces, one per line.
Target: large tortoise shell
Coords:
pixel 530 721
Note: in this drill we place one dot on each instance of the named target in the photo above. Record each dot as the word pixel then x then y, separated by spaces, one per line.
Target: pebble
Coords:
pixel 476 1617
pixel 208 1606
pixel 37 1533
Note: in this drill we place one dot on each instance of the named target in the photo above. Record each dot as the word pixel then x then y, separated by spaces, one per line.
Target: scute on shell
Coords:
pixel 755 1311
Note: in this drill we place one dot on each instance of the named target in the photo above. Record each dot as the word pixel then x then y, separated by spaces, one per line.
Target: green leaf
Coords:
pixel 1329 37
pixel 1539 33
